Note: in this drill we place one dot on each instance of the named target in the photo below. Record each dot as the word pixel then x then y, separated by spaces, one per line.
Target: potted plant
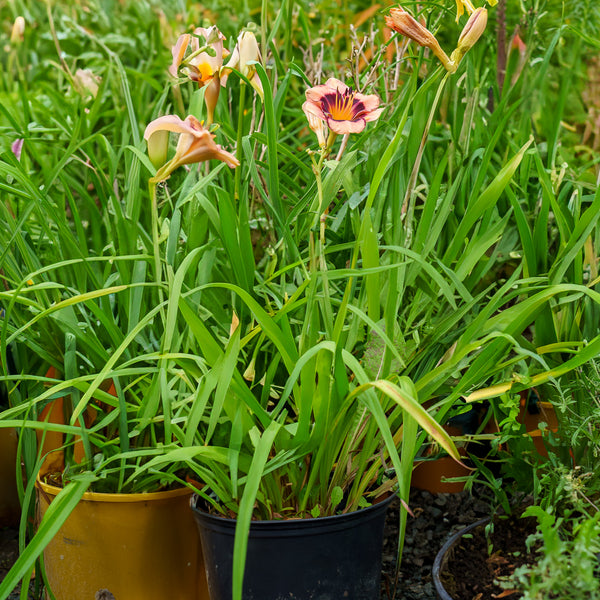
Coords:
pixel 299 426
pixel 80 293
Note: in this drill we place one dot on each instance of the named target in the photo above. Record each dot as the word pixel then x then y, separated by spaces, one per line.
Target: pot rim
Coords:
pixel 441 557
pixel 53 490
pixel 310 522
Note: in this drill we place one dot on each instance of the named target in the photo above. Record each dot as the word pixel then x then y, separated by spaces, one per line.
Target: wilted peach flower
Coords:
pixel 403 22
pixel 195 144
pixel 86 82
pixel 245 52
pixel 200 66
pixel 341 108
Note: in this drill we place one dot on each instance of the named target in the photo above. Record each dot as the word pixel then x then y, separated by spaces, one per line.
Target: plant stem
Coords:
pixel 408 205
pixel 156 241
pixel 240 135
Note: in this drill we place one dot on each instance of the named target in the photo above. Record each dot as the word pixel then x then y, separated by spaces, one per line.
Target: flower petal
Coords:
pixel 370 101
pixel 178 52
pixel 314 109
pixel 343 127
pixel 167 123
pixel 373 115
pixel 336 84
pixel 317 93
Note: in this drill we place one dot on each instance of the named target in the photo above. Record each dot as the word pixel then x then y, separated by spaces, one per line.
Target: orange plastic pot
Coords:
pixel 136 546
pixel 545 414
pixel 10 509
pixel 430 475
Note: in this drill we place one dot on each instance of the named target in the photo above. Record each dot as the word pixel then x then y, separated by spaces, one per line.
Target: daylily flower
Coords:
pixel 195 144
pixel 341 108
pixel 203 67
pixel 403 22
pixel 470 34
pixel 200 67
pixel 462 4
pixel 246 51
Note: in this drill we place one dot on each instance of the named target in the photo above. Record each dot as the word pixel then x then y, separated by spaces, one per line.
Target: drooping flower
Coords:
pixel 471 32
pixel 200 66
pixel 245 53
pixel 404 23
pixel 195 144
pixel 341 108
pixel 204 63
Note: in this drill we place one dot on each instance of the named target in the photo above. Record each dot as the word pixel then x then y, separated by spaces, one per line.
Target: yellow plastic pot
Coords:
pixel 136 546
pixel 10 509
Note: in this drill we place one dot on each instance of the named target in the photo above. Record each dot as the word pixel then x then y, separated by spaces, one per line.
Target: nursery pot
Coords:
pixel 441 559
pixel 430 475
pixel 10 509
pixel 135 546
pixel 327 558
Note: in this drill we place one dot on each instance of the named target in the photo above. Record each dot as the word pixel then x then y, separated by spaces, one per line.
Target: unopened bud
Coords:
pixel 86 82
pixel 472 31
pixel 18 31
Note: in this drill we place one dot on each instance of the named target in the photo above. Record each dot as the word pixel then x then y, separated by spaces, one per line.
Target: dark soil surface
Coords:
pixel 486 572
pixel 9 551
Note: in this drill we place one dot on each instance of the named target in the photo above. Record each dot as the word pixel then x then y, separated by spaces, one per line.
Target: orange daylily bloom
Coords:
pixel 341 108
pixel 195 144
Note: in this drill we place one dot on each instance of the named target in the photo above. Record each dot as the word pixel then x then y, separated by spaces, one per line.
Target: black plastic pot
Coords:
pixel 441 560
pixel 328 558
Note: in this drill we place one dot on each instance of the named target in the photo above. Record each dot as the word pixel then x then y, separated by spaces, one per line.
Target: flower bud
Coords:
pixel 404 23
pixel 86 82
pixel 18 31
pixel 472 31
pixel 17 148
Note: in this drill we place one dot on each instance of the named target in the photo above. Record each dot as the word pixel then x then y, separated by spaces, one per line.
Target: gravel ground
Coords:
pixel 436 517
pixel 9 551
